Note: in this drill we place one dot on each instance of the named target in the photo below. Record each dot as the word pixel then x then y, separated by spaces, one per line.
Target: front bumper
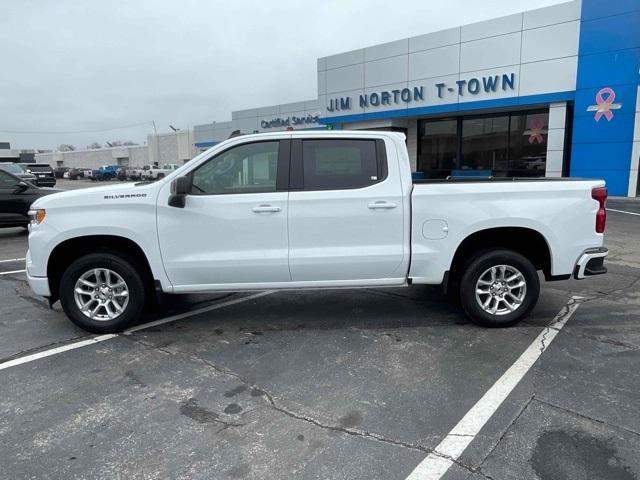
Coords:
pixel 591 262
pixel 39 285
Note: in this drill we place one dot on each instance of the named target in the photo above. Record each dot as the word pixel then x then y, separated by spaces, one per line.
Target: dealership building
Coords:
pixel 549 92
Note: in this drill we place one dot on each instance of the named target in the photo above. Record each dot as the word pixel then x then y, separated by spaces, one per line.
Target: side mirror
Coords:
pixel 180 188
pixel 21 187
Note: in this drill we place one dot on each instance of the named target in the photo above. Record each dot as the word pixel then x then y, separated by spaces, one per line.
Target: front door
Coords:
pixel 233 228
pixel 346 220
pixel 12 202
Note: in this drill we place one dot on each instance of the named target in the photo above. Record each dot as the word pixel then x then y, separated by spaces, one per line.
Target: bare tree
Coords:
pixel 65 147
pixel 94 146
pixel 129 143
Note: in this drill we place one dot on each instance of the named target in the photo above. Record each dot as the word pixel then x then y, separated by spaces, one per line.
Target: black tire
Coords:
pixel 120 266
pixel 480 264
pixel 160 176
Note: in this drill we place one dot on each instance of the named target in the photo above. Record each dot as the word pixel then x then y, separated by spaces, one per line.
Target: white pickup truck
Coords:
pixel 318 209
pixel 155 172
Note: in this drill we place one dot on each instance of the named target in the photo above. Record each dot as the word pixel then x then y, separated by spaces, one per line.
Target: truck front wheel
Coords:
pixel 499 288
pixel 102 293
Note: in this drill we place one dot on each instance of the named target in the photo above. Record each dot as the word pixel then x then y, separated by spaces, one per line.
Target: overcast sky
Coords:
pixel 76 65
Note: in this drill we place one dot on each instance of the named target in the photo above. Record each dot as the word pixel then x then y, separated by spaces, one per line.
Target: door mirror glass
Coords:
pixel 181 186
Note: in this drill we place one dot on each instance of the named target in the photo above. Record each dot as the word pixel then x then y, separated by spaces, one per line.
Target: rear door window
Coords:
pixel 335 164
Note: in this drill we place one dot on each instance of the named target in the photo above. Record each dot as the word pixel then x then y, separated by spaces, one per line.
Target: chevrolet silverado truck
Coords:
pixel 309 210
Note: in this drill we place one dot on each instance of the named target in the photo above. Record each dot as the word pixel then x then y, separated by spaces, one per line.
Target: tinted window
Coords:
pixel 249 168
pixel 485 143
pixel 7 181
pixel 438 147
pixel 12 168
pixel 338 164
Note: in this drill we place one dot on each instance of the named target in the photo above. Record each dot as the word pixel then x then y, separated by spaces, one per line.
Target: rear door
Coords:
pixel 345 212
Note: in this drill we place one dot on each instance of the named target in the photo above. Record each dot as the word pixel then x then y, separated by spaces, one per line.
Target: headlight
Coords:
pixel 36 217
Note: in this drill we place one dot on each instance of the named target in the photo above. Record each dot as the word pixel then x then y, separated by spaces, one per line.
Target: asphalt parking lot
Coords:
pixel 361 384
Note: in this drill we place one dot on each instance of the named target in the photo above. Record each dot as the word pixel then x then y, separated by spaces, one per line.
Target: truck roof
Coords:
pixel 322 133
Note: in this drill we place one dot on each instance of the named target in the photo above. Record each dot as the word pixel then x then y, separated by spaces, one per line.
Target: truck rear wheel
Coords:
pixel 499 288
pixel 102 293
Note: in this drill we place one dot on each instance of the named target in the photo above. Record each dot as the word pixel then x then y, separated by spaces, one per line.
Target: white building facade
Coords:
pixel 288 116
pixel 548 92
pixel 174 147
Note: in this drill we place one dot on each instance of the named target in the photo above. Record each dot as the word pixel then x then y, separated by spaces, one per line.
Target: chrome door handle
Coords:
pixel 265 209
pixel 382 205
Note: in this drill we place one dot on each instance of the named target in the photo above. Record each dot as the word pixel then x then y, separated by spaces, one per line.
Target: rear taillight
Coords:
pixel 600 194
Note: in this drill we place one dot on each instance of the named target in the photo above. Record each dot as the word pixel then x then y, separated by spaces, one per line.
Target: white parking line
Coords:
pixel 7 260
pixel 102 338
pixel 457 440
pixel 622 211
pixel 12 271
pixel 180 316
pixel 54 351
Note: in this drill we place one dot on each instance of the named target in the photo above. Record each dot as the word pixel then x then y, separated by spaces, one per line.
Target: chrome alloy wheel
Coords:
pixel 101 294
pixel 501 289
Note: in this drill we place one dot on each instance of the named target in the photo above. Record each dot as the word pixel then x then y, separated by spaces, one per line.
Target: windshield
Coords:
pixel 12 168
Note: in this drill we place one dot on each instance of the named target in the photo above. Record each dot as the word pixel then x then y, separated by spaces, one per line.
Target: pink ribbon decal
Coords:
pixel 604 105
pixel 535 131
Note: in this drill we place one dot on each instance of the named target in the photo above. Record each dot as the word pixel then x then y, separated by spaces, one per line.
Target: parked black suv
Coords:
pixel 16 196
pixel 43 172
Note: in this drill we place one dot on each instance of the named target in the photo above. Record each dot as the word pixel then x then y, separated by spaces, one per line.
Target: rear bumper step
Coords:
pixel 591 262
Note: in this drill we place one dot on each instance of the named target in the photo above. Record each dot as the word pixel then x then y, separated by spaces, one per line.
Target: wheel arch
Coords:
pixel 527 241
pixel 68 250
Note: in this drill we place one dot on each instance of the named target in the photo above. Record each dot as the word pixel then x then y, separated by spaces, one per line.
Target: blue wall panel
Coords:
pixel 612 131
pixel 609 33
pixel 609 57
pixel 610 68
pixel 598 9
pixel 605 156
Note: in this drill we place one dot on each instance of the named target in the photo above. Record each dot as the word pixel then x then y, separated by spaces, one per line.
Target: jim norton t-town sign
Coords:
pixel 471 86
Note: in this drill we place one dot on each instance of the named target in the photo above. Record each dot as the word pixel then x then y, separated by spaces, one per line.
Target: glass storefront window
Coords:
pixel 485 143
pixel 439 147
pixel 510 144
pixel 528 140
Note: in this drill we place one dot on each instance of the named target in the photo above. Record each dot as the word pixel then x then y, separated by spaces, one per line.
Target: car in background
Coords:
pixel 121 174
pixel 74 174
pixel 106 172
pixel 59 172
pixel 16 197
pixel 18 171
pixel 156 172
pixel 45 176
pixel 135 173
